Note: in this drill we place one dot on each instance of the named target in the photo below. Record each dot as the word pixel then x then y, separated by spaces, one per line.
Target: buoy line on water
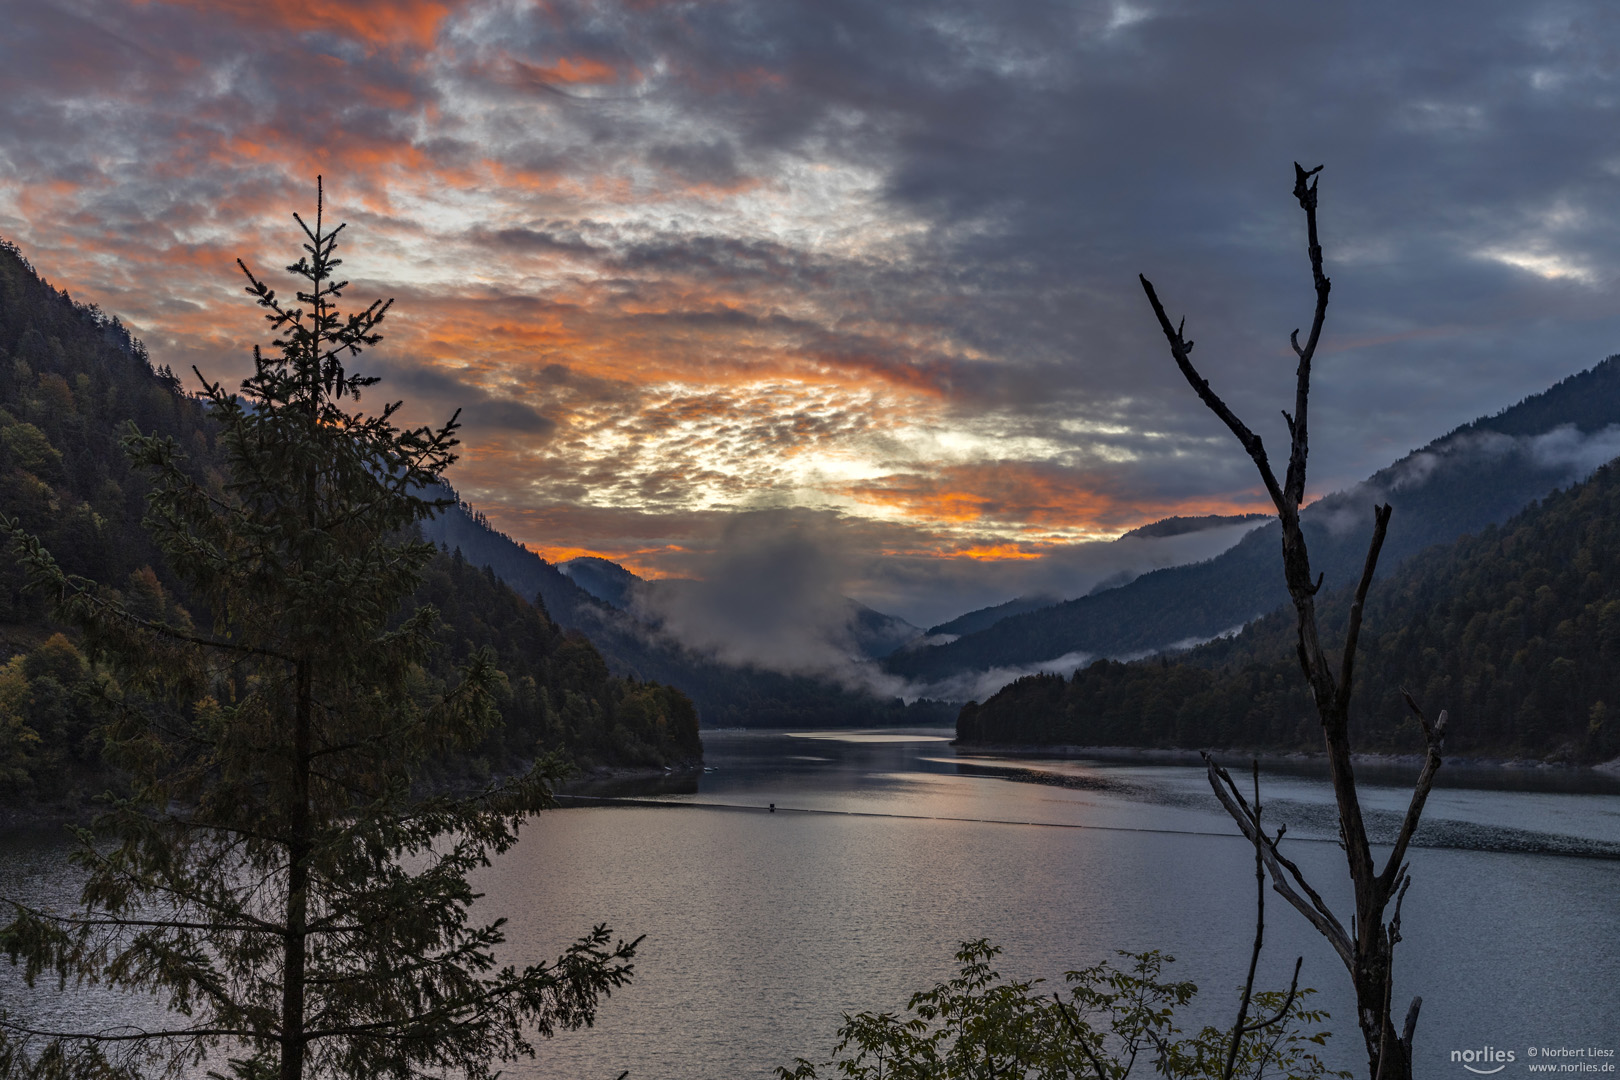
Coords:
pixel 776 809
pixel 1596 850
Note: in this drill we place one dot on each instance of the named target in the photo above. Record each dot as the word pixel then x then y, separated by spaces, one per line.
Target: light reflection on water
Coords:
pixel 885 852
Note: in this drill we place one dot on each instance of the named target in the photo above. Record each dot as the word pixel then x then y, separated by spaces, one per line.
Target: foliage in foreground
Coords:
pixel 979 1025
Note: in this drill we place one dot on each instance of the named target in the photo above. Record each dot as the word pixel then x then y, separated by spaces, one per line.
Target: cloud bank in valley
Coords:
pixel 1564 449
pixel 680 262
pixel 774 592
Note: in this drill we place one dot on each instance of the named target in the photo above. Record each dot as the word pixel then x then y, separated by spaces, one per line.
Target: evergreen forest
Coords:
pixel 1514 630
pixel 73 381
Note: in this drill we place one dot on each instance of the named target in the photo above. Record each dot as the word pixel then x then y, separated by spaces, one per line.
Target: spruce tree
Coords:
pixel 273 875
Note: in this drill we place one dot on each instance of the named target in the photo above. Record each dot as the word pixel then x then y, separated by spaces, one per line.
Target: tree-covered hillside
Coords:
pixel 71 378
pixel 1515 631
pixel 71 381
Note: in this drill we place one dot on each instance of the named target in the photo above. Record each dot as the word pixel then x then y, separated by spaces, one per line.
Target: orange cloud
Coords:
pixel 562 554
pixel 992 553
pixel 747 81
pixel 364 163
pixel 1031 496
pixel 930 377
pixel 756 78
pixel 645 369
pixel 1001 492
pixel 566 71
pixel 373 22
pixel 632 560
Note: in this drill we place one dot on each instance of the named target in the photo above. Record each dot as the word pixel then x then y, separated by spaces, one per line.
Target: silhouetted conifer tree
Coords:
pixel 274 878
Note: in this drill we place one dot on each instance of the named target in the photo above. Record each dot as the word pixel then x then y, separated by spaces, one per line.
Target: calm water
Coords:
pixel 886 851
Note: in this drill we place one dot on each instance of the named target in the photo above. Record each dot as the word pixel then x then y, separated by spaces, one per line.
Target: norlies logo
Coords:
pixel 1485 1056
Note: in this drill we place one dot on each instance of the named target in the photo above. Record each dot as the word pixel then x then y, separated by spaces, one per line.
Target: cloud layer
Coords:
pixel 678 261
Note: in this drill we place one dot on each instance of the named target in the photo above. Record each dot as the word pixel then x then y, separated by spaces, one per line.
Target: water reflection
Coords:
pixel 885 852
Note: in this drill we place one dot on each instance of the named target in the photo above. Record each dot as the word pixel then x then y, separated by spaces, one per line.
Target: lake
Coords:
pixel 888 849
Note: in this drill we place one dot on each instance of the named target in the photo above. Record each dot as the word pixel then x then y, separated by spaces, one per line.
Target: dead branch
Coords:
pixel 1435 736
pixel 1073 1022
pixel 1180 348
pixel 1352 634
pixel 1240 1026
pixel 1259 933
pixel 1281 869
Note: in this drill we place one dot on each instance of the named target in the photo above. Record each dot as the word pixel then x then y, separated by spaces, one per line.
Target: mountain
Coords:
pixel 71 381
pixel 607 581
pixel 876 634
pixel 726 695
pixel 1176 526
pixel 1477 475
pixel 983 618
pixel 1515 631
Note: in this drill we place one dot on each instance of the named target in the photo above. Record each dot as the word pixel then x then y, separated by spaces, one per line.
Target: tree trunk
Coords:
pixel 1388 1057
pixel 298 852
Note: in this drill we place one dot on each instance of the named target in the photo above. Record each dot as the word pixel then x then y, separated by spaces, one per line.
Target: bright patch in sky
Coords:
pixel 1552 267
pixel 682 262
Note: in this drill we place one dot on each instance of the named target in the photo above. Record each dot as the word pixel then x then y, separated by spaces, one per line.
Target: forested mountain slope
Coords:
pixel 983 618
pixel 71 381
pixel 1515 631
pixel 1477 475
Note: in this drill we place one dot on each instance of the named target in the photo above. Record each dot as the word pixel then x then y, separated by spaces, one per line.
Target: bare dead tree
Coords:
pixel 1367 948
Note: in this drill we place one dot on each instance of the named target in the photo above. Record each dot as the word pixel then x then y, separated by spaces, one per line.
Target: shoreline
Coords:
pixel 600 773
pixel 1181 756
pixel 15 818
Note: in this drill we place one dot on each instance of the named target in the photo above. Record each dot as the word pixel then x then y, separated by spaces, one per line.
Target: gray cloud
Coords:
pixel 773 592
pixel 770 587
pixel 1056 156
pixel 1565 452
pixel 980 685
pixel 1057 150
pixel 433 391
pixel 771 596
pixel 952 198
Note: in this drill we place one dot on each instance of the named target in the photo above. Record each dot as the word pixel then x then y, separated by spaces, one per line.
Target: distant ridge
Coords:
pixel 983 618
pixel 607 581
pixel 1176 526
pixel 1477 475
pixel 1514 630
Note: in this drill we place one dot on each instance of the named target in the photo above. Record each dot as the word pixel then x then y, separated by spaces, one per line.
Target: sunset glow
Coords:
pixel 676 262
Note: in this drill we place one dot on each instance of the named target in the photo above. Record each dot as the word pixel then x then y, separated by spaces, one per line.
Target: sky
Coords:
pixel 860 272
